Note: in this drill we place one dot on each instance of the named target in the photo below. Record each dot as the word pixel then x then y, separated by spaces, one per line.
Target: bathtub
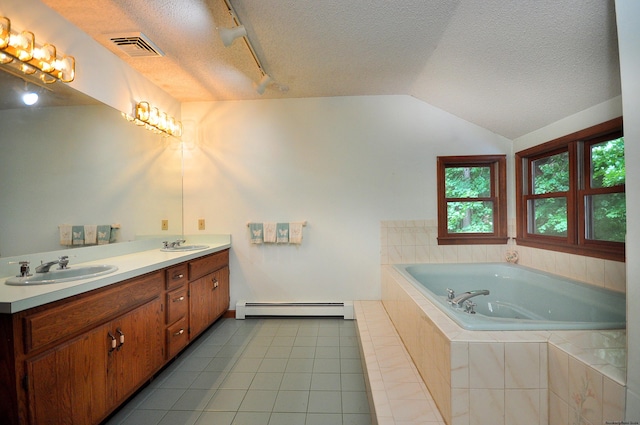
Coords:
pixel 520 298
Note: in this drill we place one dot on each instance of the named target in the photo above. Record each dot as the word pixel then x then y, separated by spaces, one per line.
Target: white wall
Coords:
pixel 628 21
pixel 343 164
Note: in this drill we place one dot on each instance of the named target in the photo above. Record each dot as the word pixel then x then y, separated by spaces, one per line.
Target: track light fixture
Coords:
pixel 264 82
pixel 228 35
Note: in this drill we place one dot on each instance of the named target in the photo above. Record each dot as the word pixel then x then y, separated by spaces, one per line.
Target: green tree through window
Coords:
pixel 472 199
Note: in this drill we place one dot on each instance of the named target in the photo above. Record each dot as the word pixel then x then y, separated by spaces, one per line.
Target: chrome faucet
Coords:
pixel 61 261
pixel 460 299
pixel 173 244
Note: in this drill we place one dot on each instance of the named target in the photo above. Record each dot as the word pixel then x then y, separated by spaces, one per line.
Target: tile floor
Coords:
pixel 262 372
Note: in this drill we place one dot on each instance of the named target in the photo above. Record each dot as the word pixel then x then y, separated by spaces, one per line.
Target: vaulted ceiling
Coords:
pixel 511 66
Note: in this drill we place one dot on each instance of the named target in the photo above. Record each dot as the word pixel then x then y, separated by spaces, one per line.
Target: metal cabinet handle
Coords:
pixel 180 332
pixel 113 342
pixel 215 283
pixel 178 276
pixel 176 300
pixel 121 338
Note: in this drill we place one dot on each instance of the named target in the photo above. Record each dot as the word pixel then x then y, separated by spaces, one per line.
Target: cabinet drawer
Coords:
pixel 176 276
pixel 177 304
pixel 85 311
pixel 177 337
pixel 209 264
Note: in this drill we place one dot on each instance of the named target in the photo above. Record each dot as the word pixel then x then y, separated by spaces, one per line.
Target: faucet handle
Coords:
pixel 451 294
pixel 63 261
pixel 469 307
pixel 24 268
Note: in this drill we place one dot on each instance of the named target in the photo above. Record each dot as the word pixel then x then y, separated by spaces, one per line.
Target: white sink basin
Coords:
pixel 185 248
pixel 64 275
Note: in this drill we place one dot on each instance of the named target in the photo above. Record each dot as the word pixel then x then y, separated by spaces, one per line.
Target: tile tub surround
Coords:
pixel 498 377
pixel 397 394
pixel 415 241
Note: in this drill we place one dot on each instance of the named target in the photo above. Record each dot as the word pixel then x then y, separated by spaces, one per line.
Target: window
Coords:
pixel 472 200
pixel 571 193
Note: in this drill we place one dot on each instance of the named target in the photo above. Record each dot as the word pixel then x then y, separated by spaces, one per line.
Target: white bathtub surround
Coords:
pixel 415 241
pixel 397 394
pixel 504 377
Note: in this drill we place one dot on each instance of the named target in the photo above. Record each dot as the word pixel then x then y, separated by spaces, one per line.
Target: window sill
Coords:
pixel 596 251
pixel 472 240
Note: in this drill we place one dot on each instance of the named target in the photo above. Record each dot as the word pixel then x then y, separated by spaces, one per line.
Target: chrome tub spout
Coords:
pixel 460 299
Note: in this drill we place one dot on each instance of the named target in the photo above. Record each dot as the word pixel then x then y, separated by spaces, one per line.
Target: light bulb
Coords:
pixel 30 98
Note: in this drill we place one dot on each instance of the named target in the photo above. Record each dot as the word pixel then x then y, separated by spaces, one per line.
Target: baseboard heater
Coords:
pixel 275 309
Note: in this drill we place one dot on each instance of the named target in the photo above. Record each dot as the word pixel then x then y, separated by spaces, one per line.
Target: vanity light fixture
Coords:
pixel 155 120
pixel 228 35
pixel 20 51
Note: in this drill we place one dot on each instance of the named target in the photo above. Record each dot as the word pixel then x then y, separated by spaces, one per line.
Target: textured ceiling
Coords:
pixel 511 66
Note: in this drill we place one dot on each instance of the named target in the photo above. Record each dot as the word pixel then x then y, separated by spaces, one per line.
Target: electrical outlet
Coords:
pixel 165 224
pixel 201 224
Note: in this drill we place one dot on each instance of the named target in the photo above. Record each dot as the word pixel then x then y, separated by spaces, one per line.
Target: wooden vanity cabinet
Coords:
pixel 76 360
pixel 208 291
pixel 177 306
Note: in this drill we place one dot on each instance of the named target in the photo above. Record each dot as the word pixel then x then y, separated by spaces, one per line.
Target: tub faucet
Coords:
pixel 460 299
pixel 62 264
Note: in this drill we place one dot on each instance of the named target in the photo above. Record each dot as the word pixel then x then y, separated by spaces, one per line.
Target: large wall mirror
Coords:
pixel 70 160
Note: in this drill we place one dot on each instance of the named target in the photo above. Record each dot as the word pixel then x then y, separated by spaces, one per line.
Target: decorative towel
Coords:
pixel 78 235
pixel 90 234
pixel 255 230
pixel 104 234
pixel 66 237
pixel 282 230
pixel 295 233
pixel 269 232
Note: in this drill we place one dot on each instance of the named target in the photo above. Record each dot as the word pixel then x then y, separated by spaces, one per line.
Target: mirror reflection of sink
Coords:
pixel 184 248
pixel 64 275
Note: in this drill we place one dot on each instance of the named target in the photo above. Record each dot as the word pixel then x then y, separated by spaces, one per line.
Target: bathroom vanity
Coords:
pixel 76 359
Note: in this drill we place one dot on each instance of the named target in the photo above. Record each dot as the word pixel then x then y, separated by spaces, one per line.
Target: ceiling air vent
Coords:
pixel 135 44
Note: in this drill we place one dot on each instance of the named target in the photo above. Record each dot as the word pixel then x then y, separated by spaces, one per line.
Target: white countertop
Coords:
pixel 130 264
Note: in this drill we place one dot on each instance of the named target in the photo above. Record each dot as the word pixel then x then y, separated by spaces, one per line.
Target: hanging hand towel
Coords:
pixel 104 234
pixel 295 233
pixel 78 235
pixel 282 231
pixel 255 229
pixel 90 234
pixel 269 232
pixel 66 237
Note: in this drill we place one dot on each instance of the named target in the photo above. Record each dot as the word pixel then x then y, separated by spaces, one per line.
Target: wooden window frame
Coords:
pixel 577 144
pixel 498 167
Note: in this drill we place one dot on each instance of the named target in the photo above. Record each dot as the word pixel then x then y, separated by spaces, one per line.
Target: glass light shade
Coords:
pixel 154 116
pixel 47 78
pixel 163 121
pixel 45 57
pixel 5 32
pixel 142 111
pixel 5 58
pixel 66 68
pixel 22 45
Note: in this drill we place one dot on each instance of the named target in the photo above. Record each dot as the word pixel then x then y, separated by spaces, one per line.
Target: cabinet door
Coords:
pixel 221 292
pixel 200 304
pixel 67 385
pixel 139 352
